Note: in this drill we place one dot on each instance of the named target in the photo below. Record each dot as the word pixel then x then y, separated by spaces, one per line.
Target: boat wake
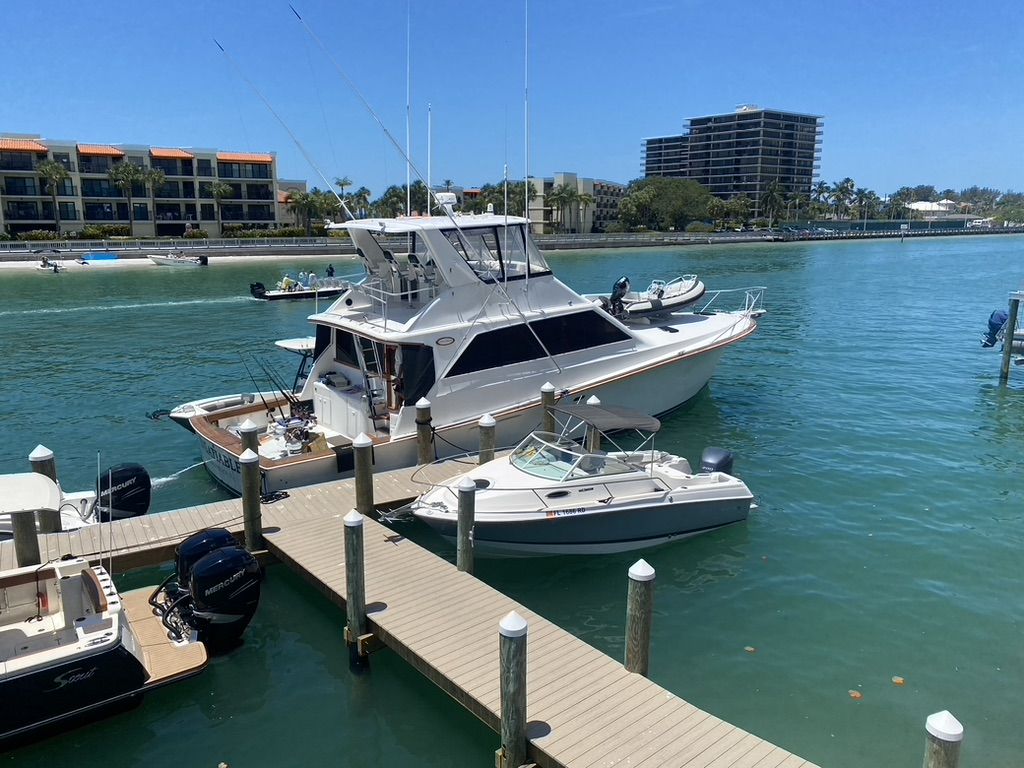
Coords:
pixel 109 307
pixel 162 481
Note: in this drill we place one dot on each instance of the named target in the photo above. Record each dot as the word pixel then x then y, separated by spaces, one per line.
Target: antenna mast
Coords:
pixel 429 204
pixel 408 107
pixel 526 112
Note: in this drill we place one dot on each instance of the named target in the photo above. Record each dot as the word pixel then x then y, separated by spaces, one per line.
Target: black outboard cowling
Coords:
pixel 123 491
pixel 716 460
pixel 258 290
pixel 996 321
pixel 204 260
pixel 196 547
pixel 225 587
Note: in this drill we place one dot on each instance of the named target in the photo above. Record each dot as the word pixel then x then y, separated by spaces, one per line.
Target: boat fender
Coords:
pixel 716 460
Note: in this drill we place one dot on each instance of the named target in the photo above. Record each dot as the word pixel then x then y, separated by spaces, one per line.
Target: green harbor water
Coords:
pixel 885 457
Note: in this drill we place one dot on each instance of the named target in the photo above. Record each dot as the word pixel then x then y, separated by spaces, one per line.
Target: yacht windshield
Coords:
pixel 554 457
pixel 498 253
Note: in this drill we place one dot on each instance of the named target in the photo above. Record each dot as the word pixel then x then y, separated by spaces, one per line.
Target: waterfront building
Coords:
pixel 741 153
pixel 285 216
pixel 579 217
pixel 88 197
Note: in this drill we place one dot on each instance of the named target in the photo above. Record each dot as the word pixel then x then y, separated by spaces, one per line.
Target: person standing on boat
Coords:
pixel 330 270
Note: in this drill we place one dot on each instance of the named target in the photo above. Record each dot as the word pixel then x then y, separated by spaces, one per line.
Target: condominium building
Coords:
pixel 89 197
pixel 580 216
pixel 741 153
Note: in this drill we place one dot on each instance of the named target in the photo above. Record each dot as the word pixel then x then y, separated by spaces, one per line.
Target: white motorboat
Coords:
pixel 50 260
pixel 552 495
pixel 178 259
pixel 660 297
pixel 121 491
pixel 70 644
pixel 463 311
pixel 305 285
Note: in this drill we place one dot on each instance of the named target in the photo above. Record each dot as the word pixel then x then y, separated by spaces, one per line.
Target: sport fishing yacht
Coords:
pixel 463 311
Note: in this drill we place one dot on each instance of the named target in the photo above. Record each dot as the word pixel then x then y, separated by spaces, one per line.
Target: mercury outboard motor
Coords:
pixel 214 589
pixel 258 290
pixel 204 260
pixel 716 460
pixel 996 321
pixel 620 289
pixel 225 588
pixel 123 491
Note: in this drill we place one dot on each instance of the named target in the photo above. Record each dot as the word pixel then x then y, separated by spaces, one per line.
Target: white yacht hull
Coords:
pixel 659 389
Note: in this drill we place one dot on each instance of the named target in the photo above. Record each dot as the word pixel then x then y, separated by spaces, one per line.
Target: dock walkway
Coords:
pixel 584 708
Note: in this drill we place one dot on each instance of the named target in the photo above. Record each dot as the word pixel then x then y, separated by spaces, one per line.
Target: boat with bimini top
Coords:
pixel 559 493
pixel 464 312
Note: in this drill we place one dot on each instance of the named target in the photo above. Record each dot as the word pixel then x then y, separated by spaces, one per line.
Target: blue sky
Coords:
pixel 912 92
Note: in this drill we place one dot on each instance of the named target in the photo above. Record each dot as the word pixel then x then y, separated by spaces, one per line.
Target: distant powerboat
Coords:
pixel 303 286
pixel 178 259
pixel 70 644
pixel 50 260
pixel 97 258
pixel 555 495
pixel 661 297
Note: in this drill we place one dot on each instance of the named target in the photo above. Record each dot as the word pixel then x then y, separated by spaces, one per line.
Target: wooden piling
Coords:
pixel 943 736
pixel 547 402
pixel 512 661
pixel 249 431
pixel 424 433
pixel 251 511
pixel 355 589
pixel 26 545
pixel 1011 329
pixel 44 463
pixel 362 450
pixel 486 426
pixel 639 615
pixel 467 511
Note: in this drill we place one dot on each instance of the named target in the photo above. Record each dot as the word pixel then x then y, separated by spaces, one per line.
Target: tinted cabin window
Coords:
pixel 323 340
pixel 417 371
pixel 345 349
pixel 581 330
pixel 494 349
pixel 559 335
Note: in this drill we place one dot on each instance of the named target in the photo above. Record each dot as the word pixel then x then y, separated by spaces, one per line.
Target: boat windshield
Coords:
pixel 554 457
pixel 498 253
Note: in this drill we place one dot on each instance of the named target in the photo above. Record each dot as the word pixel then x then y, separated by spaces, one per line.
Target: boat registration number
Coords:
pixel 552 513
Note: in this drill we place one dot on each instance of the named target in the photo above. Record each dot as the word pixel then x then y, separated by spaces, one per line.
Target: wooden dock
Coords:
pixel 584 708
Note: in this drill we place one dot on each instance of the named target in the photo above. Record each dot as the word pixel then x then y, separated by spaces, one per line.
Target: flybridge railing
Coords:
pixel 170 244
pixel 753 300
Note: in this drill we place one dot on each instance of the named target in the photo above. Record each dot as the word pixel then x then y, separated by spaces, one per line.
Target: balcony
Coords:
pixel 17 164
pixel 23 190
pixel 86 166
pixel 25 215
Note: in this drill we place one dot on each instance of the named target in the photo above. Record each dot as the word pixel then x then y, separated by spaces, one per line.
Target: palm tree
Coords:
pixel 343 182
pixel 53 174
pixel 125 176
pixel 584 200
pixel 717 210
pixel 154 178
pixel 447 185
pixel 219 190
pixel 772 201
pixel 841 194
pixel 563 197
pixel 361 200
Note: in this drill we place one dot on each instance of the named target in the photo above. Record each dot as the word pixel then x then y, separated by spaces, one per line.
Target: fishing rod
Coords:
pixel 410 164
pixel 270 411
pixel 284 125
pixel 276 381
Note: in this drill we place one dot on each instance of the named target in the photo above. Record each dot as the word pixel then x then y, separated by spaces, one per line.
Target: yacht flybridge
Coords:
pixel 461 310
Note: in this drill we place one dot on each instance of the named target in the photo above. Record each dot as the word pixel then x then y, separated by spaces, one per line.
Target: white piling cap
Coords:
pixel 362 441
pixel 943 726
pixel 423 403
pixel 248 456
pixel 40 453
pixel 593 400
pixel 467 484
pixel 641 570
pixel 353 519
pixel 513 625
pixel 486 421
pixel 248 426
pixel 547 387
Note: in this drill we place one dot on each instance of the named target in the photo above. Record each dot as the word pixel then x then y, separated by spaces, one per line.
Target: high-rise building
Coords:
pixel 88 196
pixel 741 153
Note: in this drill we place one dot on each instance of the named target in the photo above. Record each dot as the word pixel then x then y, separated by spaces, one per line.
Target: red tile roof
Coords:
pixel 21 145
pixel 244 157
pixel 99 150
pixel 170 154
